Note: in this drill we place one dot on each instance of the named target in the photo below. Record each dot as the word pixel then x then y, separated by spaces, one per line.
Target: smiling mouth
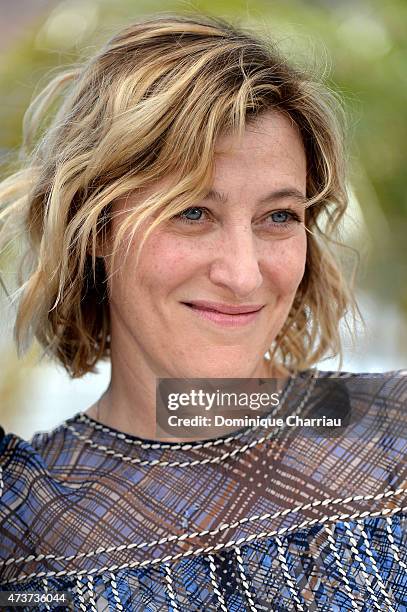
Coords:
pixel 230 309
pixel 225 314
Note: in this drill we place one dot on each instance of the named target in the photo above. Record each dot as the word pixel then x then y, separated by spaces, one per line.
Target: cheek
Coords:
pixel 285 263
pixel 166 262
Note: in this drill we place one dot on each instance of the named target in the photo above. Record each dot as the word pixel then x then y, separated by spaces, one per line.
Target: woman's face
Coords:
pixel 215 285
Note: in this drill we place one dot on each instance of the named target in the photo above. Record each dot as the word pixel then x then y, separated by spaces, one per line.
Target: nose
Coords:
pixel 235 265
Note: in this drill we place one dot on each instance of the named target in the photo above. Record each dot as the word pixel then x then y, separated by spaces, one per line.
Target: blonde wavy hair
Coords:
pixel 151 102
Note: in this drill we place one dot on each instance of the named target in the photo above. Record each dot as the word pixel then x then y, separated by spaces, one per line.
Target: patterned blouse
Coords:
pixel 247 522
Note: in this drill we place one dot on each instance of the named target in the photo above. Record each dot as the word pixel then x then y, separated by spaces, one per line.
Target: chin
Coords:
pixel 219 370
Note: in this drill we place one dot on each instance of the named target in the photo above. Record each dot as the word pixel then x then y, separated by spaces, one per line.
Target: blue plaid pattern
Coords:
pixel 248 522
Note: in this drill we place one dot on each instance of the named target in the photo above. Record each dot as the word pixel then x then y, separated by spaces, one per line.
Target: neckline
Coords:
pixel 147 443
pixel 157 444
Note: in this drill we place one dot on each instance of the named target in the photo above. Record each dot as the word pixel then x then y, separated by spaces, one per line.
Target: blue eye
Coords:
pixel 198 215
pixel 192 214
pixel 281 216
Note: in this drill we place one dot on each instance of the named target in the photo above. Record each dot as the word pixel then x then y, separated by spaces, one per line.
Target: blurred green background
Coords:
pixel 360 45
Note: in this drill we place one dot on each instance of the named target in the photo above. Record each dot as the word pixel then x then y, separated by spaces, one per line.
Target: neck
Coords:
pixel 129 403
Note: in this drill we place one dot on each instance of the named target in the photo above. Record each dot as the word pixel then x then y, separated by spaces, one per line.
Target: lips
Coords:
pixel 226 309
pixel 224 315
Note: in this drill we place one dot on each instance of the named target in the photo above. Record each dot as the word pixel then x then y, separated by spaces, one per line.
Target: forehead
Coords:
pixel 269 127
pixel 269 156
pixel 270 152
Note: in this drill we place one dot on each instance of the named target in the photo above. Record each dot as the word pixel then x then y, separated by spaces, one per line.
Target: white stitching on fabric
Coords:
pixel 363 568
pixel 1 482
pixel 79 591
pixel 330 531
pixel 287 576
pixel 91 592
pixel 170 588
pixel 214 582
pixel 136 460
pixel 214 460
pixel 243 578
pixel 207 549
pixel 82 417
pixel 380 582
pixel 143 462
pixel 46 591
pixel 224 526
pixel 115 592
pixel 393 545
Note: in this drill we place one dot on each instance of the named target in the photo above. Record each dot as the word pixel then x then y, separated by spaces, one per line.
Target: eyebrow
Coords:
pixel 279 194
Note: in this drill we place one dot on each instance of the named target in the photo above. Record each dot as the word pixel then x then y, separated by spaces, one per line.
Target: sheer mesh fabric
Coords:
pixel 252 521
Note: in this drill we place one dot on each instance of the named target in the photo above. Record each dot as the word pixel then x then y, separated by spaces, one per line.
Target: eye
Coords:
pixel 192 215
pixel 281 216
pixel 281 222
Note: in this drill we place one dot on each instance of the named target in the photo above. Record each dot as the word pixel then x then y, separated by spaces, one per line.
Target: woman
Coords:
pixel 178 212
